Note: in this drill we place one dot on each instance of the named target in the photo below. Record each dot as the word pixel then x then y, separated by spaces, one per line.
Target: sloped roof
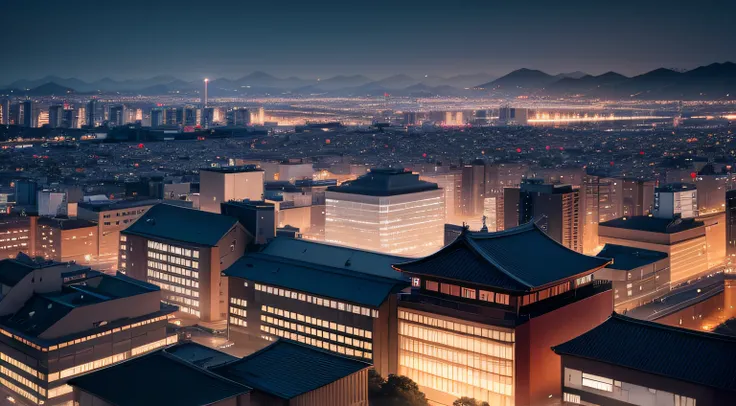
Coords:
pixel 518 259
pixel 335 256
pixel 157 379
pixel 287 369
pixel 199 355
pixel 628 258
pixel 336 283
pixel 177 223
pixel 12 271
pixel 703 358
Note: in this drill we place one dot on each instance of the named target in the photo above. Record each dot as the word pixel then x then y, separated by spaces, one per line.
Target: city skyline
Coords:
pixel 414 38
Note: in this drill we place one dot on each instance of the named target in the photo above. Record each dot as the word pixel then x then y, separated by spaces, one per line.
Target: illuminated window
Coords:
pixel 416 282
pixel 598 382
pixel 571 398
pixel 431 285
pixel 469 293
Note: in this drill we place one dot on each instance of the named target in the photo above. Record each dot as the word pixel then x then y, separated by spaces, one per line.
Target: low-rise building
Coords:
pixel 626 361
pixel 61 320
pixel 331 297
pixel 484 311
pixel 65 240
pixel 683 240
pixel 638 275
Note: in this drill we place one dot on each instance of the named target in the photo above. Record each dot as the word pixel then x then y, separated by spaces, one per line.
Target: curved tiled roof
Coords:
pixel 521 259
pixel 703 358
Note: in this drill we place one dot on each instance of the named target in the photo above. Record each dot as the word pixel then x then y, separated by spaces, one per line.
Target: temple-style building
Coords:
pixel 485 310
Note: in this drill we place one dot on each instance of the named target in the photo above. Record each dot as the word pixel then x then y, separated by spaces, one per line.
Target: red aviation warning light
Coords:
pixel 693 175
pixel 518 150
pixel 424 155
pixel 141 146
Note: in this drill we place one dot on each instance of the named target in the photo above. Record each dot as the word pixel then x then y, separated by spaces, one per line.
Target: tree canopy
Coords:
pixel 396 390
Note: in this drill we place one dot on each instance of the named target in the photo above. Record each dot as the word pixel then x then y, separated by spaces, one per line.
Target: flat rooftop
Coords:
pixel 385 182
pixel 653 224
pixel 233 169
pixel 628 258
pixel 66 223
pixel 107 205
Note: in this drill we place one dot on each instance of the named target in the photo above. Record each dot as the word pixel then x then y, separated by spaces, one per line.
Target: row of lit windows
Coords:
pixel 183 300
pixel 23 367
pixel 546 293
pixel 317 343
pixel 92 365
pixel 174 288
pixel 239 302
pixel 173 269
pixel 468 293
pixel 456 388
pixel 22 380
pixel 25 230
pixel 317 322
pixel 318 301
pixel 458 373
pixel 238 312
pixel 174 279
pixel 19 390
pixel 493 334
pixel 462 342
pixel 173 260
pixel 461 357
pixel 317 332
pixel 123 238
pixel 584 280
pixel 182 308
pixel 603 384
pixel 184 252
pixel 238 322
pixel 59 391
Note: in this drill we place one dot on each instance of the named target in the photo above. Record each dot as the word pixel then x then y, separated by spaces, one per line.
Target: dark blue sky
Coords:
pixel 193 39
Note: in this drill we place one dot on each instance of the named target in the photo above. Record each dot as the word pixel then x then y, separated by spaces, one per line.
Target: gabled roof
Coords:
pixel 177 223
pixel 287 369
pixel 628 258
pixel 158 379
pixel 336 283
pixel 199 355
pixel 335 256
pixel 702 358
pixel 518 259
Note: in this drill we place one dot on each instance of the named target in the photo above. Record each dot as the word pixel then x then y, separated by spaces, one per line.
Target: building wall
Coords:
pixel 351 390
pixel 217 187
pixel 687 250
pixel 635 287
pixel 715 238
pixel 109 224
pixel 449 357
pixel 258 317
pixel 411 224
pixel 537 366
pixel 15 237
pixel 82 398
pixel 627 386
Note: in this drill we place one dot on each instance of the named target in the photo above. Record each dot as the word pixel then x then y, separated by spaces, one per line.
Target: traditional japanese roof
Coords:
pixel 686 355
pixel 287 369
pixel 519 259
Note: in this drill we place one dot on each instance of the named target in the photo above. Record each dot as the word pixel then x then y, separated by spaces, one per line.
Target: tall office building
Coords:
pixel 93 117
pixel 386 210
pixel 184 251
pixel 5 111
pixel 447 181
pixel 239 117
pixel 637 197
pixel 221 185
pixel 555 208
pixel 484 311
pixel 25 114
pixel 116 116
pixel 731 228
pixel 602 201
pixel 56 116
pixel 475 185
pixel 676 200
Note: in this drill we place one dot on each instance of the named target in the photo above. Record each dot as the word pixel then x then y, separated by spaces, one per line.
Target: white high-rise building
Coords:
pixel 676 200
pixel 218 185
pixel 387 210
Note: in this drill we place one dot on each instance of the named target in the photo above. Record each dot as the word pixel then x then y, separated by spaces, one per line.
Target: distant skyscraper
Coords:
pixel 676 200
pixel 474 188
pixel 117 116
pixel 554 208
pixel 92 118
pixel 26 114
pixel 205 98
pixel 5 107
pixel 157 117
pixel 239 117
pixel 731 227
pixel 56 116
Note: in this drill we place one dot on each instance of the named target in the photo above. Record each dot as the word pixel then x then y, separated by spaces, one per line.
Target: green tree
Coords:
pixel 397 390
pixel 466 401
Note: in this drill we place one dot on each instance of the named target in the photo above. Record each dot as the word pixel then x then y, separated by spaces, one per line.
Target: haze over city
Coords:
pixel 376 203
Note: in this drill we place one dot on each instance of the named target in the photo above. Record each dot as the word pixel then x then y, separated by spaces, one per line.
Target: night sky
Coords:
pixel 223 38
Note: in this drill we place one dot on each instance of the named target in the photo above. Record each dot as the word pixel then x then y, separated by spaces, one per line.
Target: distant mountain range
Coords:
pixel 711 82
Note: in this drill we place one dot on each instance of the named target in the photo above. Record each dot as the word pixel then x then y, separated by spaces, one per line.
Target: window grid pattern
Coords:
pixel 316 342
pixel 355 309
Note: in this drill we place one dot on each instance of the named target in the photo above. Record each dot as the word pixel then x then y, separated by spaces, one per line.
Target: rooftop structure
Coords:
pixel 385 182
